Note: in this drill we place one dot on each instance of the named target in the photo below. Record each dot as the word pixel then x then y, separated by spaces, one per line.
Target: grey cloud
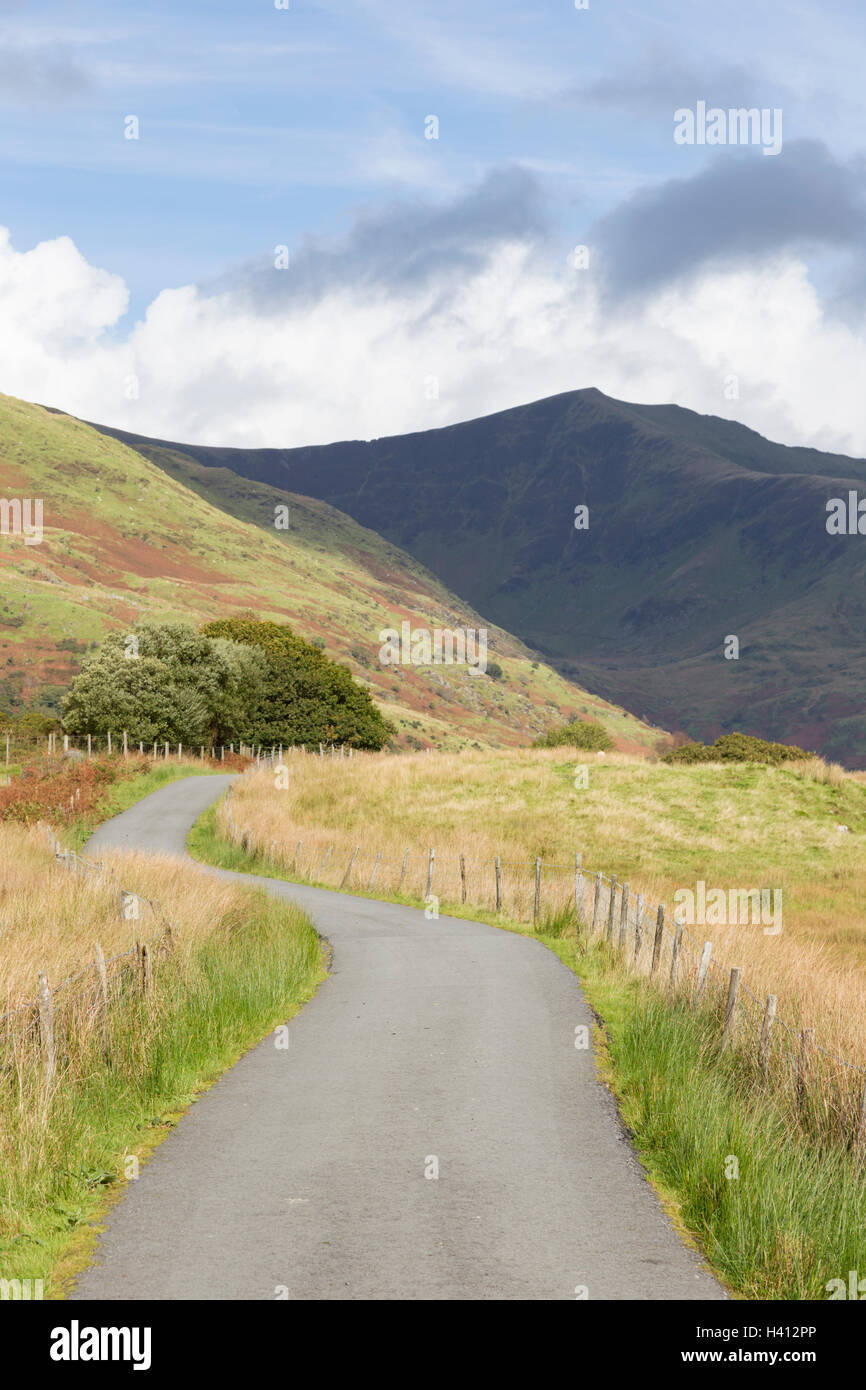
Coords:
pixel 742 207
pixel 39 75
pixel 663 81
pixel 408 245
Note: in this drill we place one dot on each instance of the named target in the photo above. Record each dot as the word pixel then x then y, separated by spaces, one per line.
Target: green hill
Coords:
pixel 125 541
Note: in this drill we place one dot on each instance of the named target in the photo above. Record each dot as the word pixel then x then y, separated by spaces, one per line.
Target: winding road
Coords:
pixel 433 1045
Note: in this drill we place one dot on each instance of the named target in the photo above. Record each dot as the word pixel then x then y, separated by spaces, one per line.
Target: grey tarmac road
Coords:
pixel 304 1169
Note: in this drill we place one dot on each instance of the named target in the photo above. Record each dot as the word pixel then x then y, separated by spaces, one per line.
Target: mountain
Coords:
pixel 699 529
pixel 124 541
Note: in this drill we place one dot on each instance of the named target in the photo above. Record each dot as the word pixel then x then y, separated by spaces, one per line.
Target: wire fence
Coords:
pixel 79 1001
pixel 15 749
pixel 826 1090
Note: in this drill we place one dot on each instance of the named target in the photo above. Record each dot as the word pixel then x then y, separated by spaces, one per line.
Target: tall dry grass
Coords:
pixel 368 824
pixel 51 918
pixel 234 963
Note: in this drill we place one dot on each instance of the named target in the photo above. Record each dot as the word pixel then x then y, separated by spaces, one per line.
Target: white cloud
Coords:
pixel 355 362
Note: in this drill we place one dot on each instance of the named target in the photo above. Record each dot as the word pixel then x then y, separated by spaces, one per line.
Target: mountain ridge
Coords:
pixel 700 529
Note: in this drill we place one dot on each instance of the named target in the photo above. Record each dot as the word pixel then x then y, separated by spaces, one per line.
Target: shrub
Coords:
pixel 578 734
pixel 735 748
pixel 47 787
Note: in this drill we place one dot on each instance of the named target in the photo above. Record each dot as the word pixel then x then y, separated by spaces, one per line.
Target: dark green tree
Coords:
pixel 308 699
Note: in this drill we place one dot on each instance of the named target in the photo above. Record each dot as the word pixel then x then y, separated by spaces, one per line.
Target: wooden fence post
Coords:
pixel 90 745
pixel 638 925
pixel 766 1029
pixel 325 860
pixel 611 909
pixel 46 1029
pixel 125 744
pixel 109 743
pixel 498 868
pixel 373 874
pixel 596 906
pixel 861 1126
pixel 657 942
pixel 345 878
pixel 578 884
pixel 702 973
pixel 462 879
pixel 623 917
pixel 101 975
pixel 730 1024
pixel 804 1061
pixel 402 871
pixel 536 907
pixel 145 966
pixel 430 873
pixel 675 955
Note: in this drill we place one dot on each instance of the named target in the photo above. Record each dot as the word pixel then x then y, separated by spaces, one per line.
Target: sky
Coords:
pixel 346 220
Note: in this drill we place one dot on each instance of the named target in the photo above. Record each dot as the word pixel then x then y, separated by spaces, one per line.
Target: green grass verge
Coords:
pixel 203 1014
pixel 776 1215
pixel 119 796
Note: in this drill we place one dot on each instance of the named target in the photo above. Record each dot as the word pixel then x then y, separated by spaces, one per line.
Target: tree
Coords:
pixel 169 684
pixel 307 699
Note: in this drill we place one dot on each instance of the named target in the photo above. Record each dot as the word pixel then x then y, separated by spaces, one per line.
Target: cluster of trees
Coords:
pixel 30 724
pixel 235 680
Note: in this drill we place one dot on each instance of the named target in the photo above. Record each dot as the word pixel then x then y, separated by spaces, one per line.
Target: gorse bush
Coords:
pixel 577 734
pixel 736 748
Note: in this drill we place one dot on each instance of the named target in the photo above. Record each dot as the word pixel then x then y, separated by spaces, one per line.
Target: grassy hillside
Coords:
pixel 124 541
pixel 699 528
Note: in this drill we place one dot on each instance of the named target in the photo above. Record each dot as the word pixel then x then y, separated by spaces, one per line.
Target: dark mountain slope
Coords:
pixel 699 528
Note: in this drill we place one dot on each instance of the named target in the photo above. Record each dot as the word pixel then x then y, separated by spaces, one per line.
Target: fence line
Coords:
pixel 118 744
pixel 668 956
pixel 143 952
